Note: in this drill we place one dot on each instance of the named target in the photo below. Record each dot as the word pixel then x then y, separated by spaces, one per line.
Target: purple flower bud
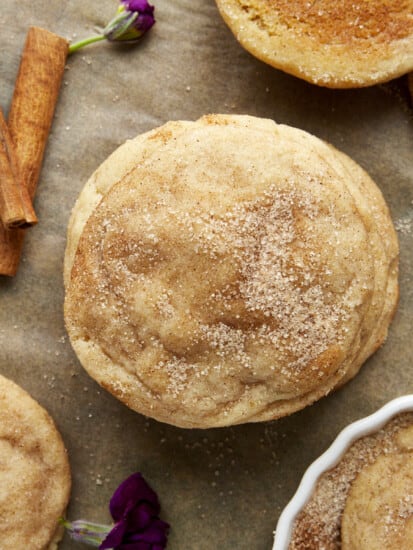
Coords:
pixel 135 508
pixel 141 6
pixel 132 20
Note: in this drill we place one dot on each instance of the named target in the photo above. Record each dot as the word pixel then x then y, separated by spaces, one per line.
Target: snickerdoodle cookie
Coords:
pixel 34 473
pixel 228 270
pixel 345 44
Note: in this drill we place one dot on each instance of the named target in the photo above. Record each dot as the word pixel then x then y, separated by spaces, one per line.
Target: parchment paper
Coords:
pixel 224 488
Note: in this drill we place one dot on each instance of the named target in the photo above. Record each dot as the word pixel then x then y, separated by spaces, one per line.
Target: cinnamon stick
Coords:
pixel 16 208
pixel 35 96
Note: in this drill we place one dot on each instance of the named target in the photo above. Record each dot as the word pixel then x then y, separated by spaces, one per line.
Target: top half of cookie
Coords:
pixel 345 44
pixel 226 270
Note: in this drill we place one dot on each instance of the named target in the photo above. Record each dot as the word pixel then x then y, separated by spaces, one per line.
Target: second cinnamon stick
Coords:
pixel 16 208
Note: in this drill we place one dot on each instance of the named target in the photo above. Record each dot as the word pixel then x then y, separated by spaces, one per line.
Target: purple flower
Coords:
pixel 137 5
pixel 135 508
pixel 132 20
pixel 145 11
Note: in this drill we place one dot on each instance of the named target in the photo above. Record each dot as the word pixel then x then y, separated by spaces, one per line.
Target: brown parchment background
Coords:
pixel 224 488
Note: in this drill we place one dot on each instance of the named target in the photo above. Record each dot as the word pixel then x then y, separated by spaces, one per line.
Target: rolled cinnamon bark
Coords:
pixel 34 100
pixel 16 208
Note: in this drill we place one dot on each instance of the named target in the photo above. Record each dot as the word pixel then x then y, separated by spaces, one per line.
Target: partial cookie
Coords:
pixel 345 44
pixel 34 473
pixel 218 281
pixel 365 502
pixel 379 506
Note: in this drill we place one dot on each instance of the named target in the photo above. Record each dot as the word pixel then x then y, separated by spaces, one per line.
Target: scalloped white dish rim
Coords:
pixel 330 458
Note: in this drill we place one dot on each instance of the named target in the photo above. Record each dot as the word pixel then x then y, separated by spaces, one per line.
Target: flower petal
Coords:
pixel 142 6
pixel 129 493
pixel 136 546
pixel 140 517
pixel 144 22
pixel 115 537
pixel 156 533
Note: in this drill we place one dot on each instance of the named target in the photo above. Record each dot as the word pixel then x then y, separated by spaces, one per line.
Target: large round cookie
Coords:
pixel 339 44
pixel 34 473
pixel 228 270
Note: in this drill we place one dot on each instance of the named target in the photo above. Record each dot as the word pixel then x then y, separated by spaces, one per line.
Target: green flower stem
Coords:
pixel 85 42
pixel 87 532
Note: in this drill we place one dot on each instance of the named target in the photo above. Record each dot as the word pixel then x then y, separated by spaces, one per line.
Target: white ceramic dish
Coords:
pixel 330 458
